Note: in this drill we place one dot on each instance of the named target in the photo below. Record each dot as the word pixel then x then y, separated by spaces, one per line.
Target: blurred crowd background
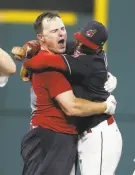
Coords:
pixel 16 27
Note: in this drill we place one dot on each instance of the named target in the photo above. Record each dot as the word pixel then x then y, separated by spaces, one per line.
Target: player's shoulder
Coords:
pixel 94 60
pixel 42 53
pixel 90 57
pixel 100 61
pixel 98 57
pixel 86 58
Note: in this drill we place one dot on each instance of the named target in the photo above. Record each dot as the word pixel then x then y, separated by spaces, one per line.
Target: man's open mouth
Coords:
pixel 61 41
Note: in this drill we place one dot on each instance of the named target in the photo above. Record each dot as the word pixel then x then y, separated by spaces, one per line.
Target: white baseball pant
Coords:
pixel 100 150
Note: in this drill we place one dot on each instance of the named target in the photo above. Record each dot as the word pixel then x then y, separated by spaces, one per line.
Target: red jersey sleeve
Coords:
pixel 45 60
pixel 57 84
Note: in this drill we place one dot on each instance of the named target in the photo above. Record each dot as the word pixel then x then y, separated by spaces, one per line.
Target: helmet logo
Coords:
pixel 90 33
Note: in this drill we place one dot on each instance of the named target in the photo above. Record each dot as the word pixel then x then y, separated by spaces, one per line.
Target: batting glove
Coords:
pixel 111 83
pixel 28 50
pixel 111 105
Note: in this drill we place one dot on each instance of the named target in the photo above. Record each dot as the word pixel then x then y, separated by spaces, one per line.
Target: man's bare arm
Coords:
pixel 7 65
pixel 73 106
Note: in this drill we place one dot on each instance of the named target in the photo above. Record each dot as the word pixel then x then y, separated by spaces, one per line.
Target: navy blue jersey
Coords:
pixel 70 46
pixel 88 73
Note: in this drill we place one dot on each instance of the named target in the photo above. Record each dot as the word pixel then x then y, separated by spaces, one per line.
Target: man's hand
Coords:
pixel 19 52
pixel 24 74
pixel 111 83
pixel 111 105
pixel 29 49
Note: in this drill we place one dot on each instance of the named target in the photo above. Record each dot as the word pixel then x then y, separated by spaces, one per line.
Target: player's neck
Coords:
pixel 46 49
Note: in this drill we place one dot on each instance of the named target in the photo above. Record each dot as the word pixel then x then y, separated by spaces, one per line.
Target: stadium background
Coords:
pixel 16 28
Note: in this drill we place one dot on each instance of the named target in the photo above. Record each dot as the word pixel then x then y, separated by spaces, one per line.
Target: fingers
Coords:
pixel 111 105
pixel 111 83
pixel 24 74
pixel 18 57
pixel 109 74
pixel 112 99
pixel 29 49
pixel 109 88
pixel 19 52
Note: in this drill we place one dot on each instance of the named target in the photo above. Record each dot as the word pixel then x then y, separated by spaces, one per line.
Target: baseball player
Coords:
pixel 52 132
pixel 100 141
pixel 7 67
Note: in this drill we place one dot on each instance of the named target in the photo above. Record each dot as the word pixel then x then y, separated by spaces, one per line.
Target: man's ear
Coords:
pixel 40 37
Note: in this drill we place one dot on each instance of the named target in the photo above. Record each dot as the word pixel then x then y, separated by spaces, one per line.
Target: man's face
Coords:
pixel 54 35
